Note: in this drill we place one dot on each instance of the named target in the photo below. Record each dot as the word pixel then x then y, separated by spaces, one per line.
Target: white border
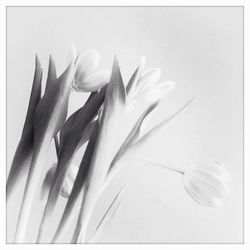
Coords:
pixel 4 3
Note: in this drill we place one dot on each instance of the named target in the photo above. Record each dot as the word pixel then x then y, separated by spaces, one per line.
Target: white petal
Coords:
pixel 156 93
pixel 211 185
pixel 88 63
pixel 214 167
pixel 71 54
pixel 197 193
pixel 93 82
pixel 148 79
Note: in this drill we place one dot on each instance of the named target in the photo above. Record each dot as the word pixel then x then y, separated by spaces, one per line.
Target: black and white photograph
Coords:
pixel 124 124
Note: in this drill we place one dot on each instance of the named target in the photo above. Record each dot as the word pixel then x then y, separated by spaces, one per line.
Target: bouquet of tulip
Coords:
pixel 95 124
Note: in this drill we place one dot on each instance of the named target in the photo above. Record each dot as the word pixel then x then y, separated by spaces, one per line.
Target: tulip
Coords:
pixel 87 78
pixel 144 87
pixel 207 182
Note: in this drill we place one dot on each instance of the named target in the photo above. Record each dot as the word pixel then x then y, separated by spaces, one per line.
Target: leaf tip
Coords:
pixel 37 62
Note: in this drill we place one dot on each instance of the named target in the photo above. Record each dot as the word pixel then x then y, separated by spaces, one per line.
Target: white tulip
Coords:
pixel 87 78
pixel 88 63
pixel 207 182
pixel 148 79
pixel 156 92
pixel 93 82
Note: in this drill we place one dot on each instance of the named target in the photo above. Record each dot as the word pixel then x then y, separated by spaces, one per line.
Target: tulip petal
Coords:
pixel 93 82
pixel 156 93
pixel 200 196
pixel 88 63
pixel 212 183
pixel 217 168
pixel 148 79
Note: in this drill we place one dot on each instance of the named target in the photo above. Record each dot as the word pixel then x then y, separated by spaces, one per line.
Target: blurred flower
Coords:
pixel 67 184
pixel 87 78
pixel 145 87
pixel 207 182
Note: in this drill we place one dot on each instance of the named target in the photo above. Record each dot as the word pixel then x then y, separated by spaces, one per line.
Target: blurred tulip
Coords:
pixel 145 87
pixel 87 78
pixel 207 182
pixel 92 82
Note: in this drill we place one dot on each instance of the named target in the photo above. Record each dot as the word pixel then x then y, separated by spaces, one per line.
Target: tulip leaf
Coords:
pixel 133 135
pixel 137 145
pixel 113 109
pixel 69 147
pixel 78 185
pixel 108 216
pixel 49 117
pixel 23 154
pixel 52 77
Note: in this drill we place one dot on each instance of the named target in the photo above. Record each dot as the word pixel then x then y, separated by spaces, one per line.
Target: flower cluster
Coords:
pixel 96 124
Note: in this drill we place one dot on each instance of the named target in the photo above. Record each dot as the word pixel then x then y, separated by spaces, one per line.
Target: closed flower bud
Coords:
pixel 93 82
pixel 207 182
pixel 156 92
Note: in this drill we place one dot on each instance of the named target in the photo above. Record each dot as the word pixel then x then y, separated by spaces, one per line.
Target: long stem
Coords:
pixel 29 193
pixel 175 169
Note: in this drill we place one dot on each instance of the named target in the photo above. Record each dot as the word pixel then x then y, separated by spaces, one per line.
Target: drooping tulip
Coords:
pixel 207 182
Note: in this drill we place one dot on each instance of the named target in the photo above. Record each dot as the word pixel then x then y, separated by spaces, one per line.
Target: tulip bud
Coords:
pixel 207 182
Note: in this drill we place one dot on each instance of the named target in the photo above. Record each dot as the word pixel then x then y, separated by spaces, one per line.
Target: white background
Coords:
pixel 201 50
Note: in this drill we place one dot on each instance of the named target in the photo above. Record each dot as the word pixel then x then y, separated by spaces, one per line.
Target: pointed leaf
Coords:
pixel 148 79
pixel 49 118
pixel 23 154
pixel 51 78
pixel 92 82
pixel 107 217
pixel 69 147
pixel 114 107
pixel 134 134
pixel 134 78
pixel 78 185
pixel 157 92
pixel 141 142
